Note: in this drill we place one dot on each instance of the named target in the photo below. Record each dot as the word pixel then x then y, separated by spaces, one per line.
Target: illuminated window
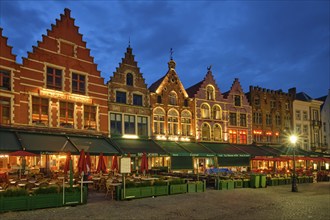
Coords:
pixel 66 114
pixel 4 111
pixel 172 122
pixel 78 83
pixel 54 78
pixel 233 136
pixel 205 110
pixel 242 121
pixel 172 98
pixel 159 121
pixel 137 99
pixel 216 112
pixel 90 117
pixel 121 97
pixel 4 80
pixel 210 93
pixel 129 79
pixel 40 111
pixel 115 124
pixel 206 132
pixel 237 100
pixel 242 137
pixel 217 133
pixel 232 119
pixel 257 136
pixel 142 123
pixel 185 123
pixel 129 121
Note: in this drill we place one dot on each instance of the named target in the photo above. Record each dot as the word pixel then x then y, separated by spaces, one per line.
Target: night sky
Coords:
pixel 271 44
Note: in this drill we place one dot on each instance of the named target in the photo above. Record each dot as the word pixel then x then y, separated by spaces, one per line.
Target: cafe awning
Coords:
pixel 181 163
pixel 93 144
pixel 233 161
pixel 196 149
pixel 9 142
pixel 46 143
pixel 173 148
pixel 254 150
pixel 138 147
pixel 225 150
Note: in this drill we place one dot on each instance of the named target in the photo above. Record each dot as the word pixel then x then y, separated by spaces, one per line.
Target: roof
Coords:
pixel 192 90
pixel 156 84
pixel 225 94
pixel 303 97
pixel 323 98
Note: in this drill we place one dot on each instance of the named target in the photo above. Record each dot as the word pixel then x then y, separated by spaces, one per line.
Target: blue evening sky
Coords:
pixel 271 44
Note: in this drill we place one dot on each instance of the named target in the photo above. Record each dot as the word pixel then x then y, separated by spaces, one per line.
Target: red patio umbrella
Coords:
pixel 101 165
pixel 82 166
pixel 67 163
pixel 144 163
pixel 22 153
pixel 88 162
pixel 114 165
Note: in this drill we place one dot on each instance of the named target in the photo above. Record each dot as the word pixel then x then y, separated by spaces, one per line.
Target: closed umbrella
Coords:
pixel 22 153
pixel 114 165
pixel 101 165
pixel 67 163
pixel 88 162
pixel 82 166
pixel 144 163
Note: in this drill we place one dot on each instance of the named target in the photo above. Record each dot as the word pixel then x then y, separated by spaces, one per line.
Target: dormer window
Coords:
pixel 172 98
pixel 159 99
pixel 129 79
pixel 237 100
pixel 210 93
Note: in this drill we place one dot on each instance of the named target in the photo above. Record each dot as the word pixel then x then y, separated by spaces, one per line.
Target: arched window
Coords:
pixel 129 79
pixel 172 122
pixel 185 123
pixel 159 121
pixel 217 132
pixel 209 93
pixel 172 98
pixel 216 111
pixel 205 111
pixel 206 132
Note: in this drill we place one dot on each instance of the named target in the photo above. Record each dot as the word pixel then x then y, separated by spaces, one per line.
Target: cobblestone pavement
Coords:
pixel 276 202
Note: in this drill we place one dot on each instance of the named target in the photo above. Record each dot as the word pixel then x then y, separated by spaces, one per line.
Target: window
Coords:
pixel 159 121
pixel 305 116
pixel 185 123
pixel 298 128
pixel 210 93
pixel 217 133
pixel 232 119
pixel 129 124
pixel 137 99
pixel 172 98
pixel 257 136
pixel 268 137
pixel 115 124
pixel 172 122
pixel 268 119
pixel 121 97
pixel 129 79
pixel 233 136
pixel 40 111
pixel 206 134
pixel 4 111
pixel 242 137
pixel 272 104
pixel 257 101
pixel 54 78
pixel 278 119
pixel 4 79
pixel 66 114
pixel 205 110
pixel 242 120
pixel 287 121
pixel 287 106
pixel 90 117
pixel 159 99
pixel 315 115
pixel 298 116
pixel 142 123
pixel 185 103
pixel 237 100
pixel 257 117
pixel 216 112
pixel 305 129
pixel 78 83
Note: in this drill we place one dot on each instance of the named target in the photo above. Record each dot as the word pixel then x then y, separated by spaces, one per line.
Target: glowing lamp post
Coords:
pixel 293 140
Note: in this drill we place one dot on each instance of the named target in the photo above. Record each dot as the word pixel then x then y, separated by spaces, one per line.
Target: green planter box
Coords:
pixel 161 190
pixel 14 203
pixel 221 184
pixel 255 181
pixel 301 179
pixel 238 183
pixel 246 183
pixel 191 187
pixel 263 181
pixel 46 201
pixel 201 186
pixel 274 181
pixel 178 188
pixel 281 181
pixel 230 184
pixel 288 180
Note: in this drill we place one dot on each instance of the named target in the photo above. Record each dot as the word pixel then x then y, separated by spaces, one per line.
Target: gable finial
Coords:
pixel 171 53
pixel 209 68
pixel 129 42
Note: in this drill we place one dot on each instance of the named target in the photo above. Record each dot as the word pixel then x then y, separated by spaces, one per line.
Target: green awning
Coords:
pixel 93 144
pixel 196 149
pixel 9 142
pixel 254 150
pixel 225 150
pixel 138 147
pixel 181 163
pixel 46 143
pixel 173 148
pixel 233 161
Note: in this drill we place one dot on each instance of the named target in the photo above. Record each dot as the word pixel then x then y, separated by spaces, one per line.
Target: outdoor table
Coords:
pixel 22 185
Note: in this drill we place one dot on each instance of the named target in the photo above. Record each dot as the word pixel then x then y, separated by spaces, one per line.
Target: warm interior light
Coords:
pixel 130 136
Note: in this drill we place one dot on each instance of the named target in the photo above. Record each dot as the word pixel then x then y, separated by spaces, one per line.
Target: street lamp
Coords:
pixel 293 140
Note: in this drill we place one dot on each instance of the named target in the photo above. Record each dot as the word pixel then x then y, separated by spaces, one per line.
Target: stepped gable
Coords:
pixel 195 90
pixel 5 49
pixel 236 88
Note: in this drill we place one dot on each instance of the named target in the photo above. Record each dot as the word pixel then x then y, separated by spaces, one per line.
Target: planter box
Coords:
pixel 246 183
pixel 221 184
pixel 201 186
pixel 238 183
pixel 263 181
pixel 281 181
pixel 14 203
pixel 46 201
pixel 179 188
pixel 255 181
pixel 161 190
pixel 191 187
pixel 230 184
pixel 274 181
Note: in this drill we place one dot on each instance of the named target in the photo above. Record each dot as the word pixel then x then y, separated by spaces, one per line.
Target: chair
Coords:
pixel 110 189
pixel 102 184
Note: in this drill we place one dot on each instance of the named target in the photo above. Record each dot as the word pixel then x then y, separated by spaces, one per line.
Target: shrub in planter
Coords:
pixel 130 184
pixel 177 181
pixel 160 183
pixel 143 184
pixel 14 192
pixel 46 190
